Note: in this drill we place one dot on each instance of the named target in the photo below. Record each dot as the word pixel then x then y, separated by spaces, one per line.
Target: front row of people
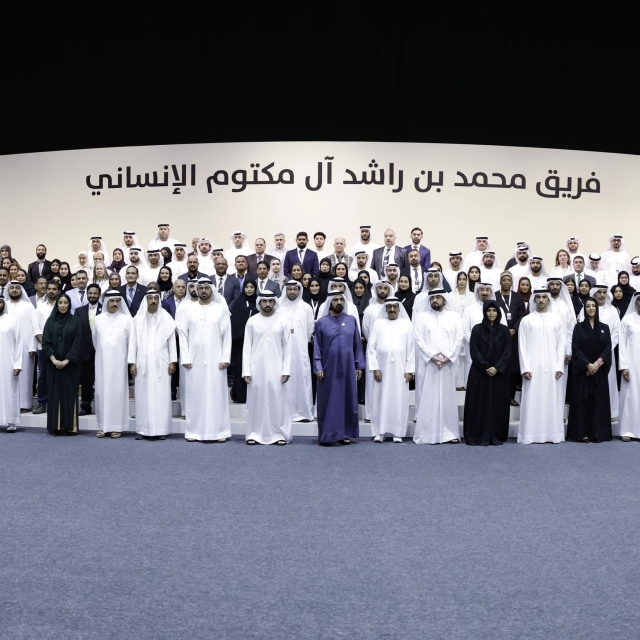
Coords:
pixel 146 346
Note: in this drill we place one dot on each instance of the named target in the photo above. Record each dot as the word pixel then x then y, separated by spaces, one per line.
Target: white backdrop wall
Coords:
pixel 45 197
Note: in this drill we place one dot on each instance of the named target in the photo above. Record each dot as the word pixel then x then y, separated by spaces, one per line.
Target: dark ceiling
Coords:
pixel 475 74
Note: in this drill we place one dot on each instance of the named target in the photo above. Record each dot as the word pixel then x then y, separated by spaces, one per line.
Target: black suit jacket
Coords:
pixel 231 289
pixel 310 263
pixel 186 277
pixel 33 271
pixel 253 262
pixel 169 305
pixel 138 297
pixel 586 277
pixel 399 257
pixel 87 343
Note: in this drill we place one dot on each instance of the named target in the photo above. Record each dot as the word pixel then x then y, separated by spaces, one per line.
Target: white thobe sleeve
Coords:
pixel 173 350
pixel 286 351
pixel 525 365
pixel 615 331
pixel 623 360
pixel 466 324
pixel 311 325
pixel 132 350
pixel 561 337
pixel 94 334
pixel 17 348
pixel 132 344
pixel 421 344
pixel 458 339
pixel 410 351
pixel 372 356
pixel 35 329
pixel 183 337
pixel 225 336
pixel 247 348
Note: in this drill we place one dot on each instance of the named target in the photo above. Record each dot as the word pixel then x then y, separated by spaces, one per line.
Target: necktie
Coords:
pixel 2 292
pixel 261 285
pixel 415 248
pixel 40 265
pixel 301 251
pixel 82 297
pixel 415 271
pixel 260 258
pixel 220 285
pixel 385 261
pixel 579 278
pixel 130 296
pixel 92 315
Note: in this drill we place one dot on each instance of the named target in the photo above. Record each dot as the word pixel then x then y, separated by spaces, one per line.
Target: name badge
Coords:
pixel 508 315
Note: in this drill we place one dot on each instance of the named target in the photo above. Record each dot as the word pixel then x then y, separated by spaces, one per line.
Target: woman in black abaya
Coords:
pixel 61 345
pixel 487 401
pixel 590 411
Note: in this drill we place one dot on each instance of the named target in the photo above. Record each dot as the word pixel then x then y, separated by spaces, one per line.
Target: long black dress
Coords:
pixel 62 338
pixel 487 401
pixel 590 411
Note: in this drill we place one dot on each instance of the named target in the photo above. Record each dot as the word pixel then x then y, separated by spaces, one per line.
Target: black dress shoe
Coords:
pixel 84 412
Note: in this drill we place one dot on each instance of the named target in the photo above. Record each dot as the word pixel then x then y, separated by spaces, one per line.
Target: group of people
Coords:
pixel 307 333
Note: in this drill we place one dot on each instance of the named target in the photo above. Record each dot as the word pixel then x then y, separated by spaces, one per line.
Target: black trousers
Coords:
pixel 87 379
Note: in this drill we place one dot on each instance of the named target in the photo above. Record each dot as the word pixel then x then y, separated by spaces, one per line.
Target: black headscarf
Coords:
pixel 473 283
pixel 406 298
pixel 165 285
pixel 116 265
pixel 324 277
pixel 243 307
pixel 26 285
pixel 55 261
pixel 55 325
pixel 315 301
pixel 627 293
pixel 65 281
pixel 170 258
pixel 361 302
pixel 367 284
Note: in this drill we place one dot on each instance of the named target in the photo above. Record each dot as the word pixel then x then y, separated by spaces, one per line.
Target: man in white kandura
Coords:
pixel 19 306
pixel 298 317
pixel 239 247
pixel 178 264
pixel 113 340
pixel 474 258
pixel 439 337
pixel 266 360
pixel 205 352
pixel 615 259
pixel 561 303
pixel 10 367
pixel 163 238
pixel 155 363
pixel 391 357
pixel 381 291
pixel 541 343
pixel 629 352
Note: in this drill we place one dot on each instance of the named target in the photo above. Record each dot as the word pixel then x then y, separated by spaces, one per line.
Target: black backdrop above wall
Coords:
pixel 479 74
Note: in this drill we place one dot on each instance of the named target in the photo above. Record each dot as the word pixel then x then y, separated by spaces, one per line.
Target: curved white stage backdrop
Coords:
pixel 454 192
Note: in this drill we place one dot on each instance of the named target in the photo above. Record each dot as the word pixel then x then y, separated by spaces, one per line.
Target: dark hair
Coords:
pixel 320 233
pixel 131 266
pixel 93 285
pixel 81 271
pixel 302 233
pixel 416 229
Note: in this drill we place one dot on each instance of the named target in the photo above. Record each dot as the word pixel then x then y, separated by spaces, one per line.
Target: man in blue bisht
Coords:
pixel 338 362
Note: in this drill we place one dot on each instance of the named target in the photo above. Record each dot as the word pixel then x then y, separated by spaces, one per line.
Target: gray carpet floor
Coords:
pixel 130 539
